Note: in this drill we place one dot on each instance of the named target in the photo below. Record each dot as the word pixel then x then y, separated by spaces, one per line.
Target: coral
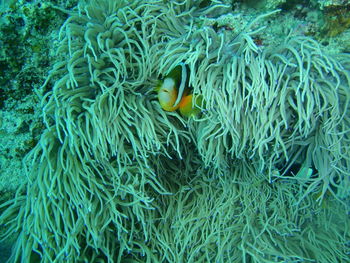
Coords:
pixel 26 39
pixel 25 30
pixel 115 178
pixel 337 20
pixel 262 4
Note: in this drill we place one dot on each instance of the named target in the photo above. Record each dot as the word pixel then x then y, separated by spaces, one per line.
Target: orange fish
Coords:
pixel 173 93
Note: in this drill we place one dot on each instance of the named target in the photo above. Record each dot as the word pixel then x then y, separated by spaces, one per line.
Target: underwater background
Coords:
pixel 93 167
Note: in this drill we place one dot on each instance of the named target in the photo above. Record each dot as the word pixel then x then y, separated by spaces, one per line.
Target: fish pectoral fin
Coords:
pixel 187 108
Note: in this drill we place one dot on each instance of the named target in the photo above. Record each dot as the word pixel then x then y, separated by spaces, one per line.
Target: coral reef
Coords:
pixel 337 19
pixel 27 40
pixel 263 4
pixel 260 175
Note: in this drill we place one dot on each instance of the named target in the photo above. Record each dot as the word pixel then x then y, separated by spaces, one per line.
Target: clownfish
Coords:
pixel 173 93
